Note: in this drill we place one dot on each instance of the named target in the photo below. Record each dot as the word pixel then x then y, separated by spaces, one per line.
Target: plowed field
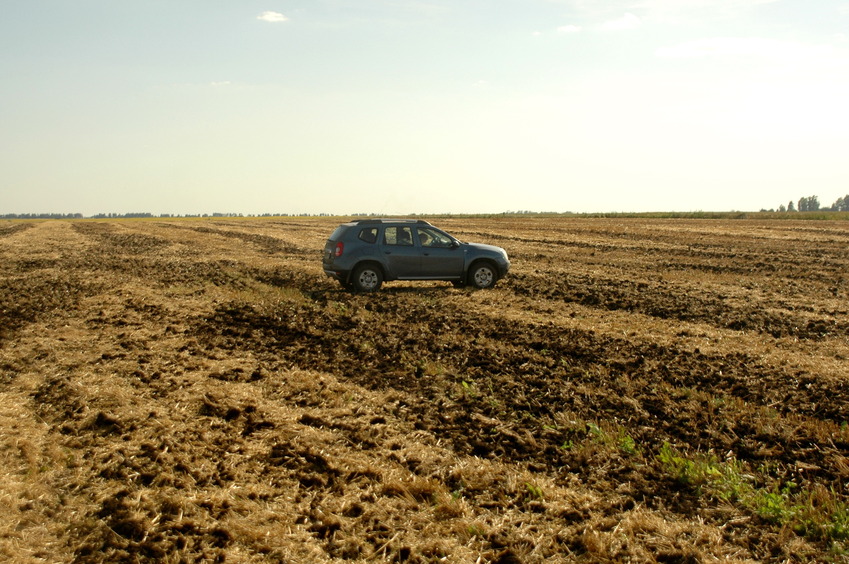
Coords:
pixel 635 390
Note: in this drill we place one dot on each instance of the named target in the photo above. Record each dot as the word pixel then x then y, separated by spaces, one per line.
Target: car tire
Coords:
pixel 482 275
pixel 366 278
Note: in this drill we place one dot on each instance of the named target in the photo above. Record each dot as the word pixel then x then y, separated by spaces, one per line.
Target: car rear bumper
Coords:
pixel 340 275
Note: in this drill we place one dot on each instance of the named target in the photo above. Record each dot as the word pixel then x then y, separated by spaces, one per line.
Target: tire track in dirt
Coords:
pixel 7 230
pixel 116 239
pixel 265 243
pixel 35 287
pixel 665 301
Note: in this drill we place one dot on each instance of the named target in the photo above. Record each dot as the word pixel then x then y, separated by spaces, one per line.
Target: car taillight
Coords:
pixel 340 248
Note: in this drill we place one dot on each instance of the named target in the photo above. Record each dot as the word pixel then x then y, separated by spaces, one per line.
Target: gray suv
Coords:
pixel 362 254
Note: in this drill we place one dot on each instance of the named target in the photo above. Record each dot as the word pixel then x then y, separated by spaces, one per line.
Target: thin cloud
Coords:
pixel 272 17
pixel 664 11
pixel 687 5
pixel 569 29
pixel 628 21
pixel 741 47
pixel 680 11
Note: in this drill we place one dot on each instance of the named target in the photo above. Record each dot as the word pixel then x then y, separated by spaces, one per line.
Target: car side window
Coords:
pixel 368 235
pixel 432 238
pixel 398 236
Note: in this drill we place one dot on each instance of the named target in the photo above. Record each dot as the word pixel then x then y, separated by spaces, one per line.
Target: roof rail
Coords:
pixel 389 220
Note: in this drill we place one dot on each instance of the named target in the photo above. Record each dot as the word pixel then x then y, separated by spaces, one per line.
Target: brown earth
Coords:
pixel 198 390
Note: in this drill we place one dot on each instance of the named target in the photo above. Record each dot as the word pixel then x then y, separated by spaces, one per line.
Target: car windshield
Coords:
pixel 434 238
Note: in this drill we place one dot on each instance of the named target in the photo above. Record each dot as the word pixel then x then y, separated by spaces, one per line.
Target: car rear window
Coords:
pixel 337 234
pixel 369 235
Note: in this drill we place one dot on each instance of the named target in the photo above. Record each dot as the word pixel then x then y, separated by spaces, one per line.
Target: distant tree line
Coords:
pixel 41 216
pixel 216 214
pixel 136 215
pixel 804 204
pixel 529 212
pixel 812 203
pixel 127 215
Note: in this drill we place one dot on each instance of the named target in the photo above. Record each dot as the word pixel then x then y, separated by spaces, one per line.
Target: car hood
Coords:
pixel 482 247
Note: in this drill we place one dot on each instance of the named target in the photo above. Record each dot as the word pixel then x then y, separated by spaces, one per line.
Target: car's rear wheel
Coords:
pixel 366 278
pixel 482 275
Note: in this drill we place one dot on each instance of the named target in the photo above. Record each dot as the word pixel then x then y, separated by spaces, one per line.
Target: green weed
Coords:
pixel 627 444
pixel 816 514
pixel 617 439
pixel 533 491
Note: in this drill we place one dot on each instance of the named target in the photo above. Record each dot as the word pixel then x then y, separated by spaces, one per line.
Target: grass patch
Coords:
pixel 815 513
pixel 616 438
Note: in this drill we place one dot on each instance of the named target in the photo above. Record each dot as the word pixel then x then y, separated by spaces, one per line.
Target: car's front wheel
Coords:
pixel 482 275
pixel 366 278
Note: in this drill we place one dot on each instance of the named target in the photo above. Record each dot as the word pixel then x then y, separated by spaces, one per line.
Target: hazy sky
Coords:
pixel 431 106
